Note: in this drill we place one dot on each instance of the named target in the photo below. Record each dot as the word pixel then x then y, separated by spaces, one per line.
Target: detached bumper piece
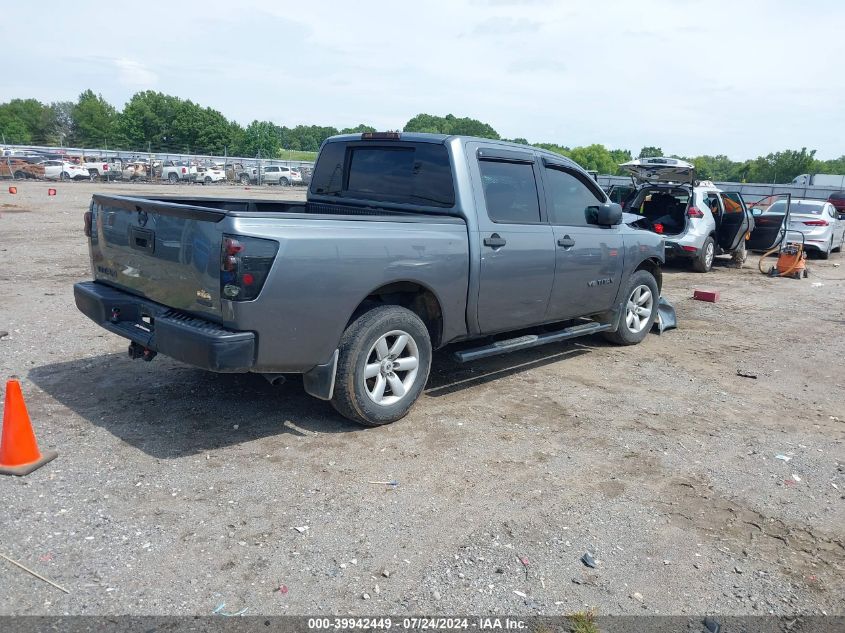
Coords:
pixel 157 328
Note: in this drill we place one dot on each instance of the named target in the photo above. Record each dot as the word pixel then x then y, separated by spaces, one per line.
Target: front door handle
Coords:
pixel 495 240
pixel 566 241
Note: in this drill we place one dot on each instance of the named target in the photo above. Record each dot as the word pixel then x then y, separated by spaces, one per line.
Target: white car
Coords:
pixel 813 223
pixel 61 170
pixel 280 175
pixel 208 175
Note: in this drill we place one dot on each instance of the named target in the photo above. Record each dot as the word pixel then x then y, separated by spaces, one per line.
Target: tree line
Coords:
pixel 152 121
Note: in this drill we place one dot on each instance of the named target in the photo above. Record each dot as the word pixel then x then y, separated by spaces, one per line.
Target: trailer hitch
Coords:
pixel 137 351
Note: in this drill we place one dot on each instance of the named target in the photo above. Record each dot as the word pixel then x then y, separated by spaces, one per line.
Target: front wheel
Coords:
pixel 639 311
pixel 385 356
pixel 284 182
pixel 64 176
pixel 173 178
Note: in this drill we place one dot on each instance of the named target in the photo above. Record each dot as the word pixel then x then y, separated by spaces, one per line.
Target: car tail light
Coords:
pixel 184 171
pixel 658 228
pixel 89 222
pixel 245 263
pixel 105 167
pixel 694 212
pixel 816 223
pixel 690 249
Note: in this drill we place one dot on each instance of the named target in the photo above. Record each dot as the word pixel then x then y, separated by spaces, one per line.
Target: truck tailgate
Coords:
pixel 167 252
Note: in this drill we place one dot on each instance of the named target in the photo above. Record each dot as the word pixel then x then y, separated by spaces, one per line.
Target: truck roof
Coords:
pixel 426 137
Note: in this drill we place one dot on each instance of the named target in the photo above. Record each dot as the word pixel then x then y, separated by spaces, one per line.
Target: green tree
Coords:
pixel 781 167
pixel 450 124
pixel 94 122
pixel 358 129
pixel 25 121
pixel 649 151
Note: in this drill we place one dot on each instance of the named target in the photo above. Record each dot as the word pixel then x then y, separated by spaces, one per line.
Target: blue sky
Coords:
pixel 738 78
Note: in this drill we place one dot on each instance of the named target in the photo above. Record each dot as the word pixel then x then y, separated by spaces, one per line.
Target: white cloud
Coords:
pixel 134 74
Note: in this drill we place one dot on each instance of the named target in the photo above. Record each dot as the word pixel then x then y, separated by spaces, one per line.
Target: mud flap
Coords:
pixel 665 316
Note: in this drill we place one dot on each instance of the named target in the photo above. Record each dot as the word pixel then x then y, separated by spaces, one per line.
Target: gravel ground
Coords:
pixel 178 490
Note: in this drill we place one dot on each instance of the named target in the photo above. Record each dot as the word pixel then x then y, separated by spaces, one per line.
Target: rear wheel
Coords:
pixel 284 181
pixel 244 179
pixel 704 261
pixel 639 311
pixel 64 176
pixel 207 180
pixel 173 178
pixel 825 254
pixel 19 175
pixel 385 356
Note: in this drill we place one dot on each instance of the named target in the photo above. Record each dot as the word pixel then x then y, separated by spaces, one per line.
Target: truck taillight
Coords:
pixel 184 171
pixel 89 221
pixel 245 263
pixel 694 212
pixel 105 167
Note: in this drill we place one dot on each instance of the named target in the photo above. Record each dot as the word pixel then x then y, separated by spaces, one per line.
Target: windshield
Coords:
pixel 797 206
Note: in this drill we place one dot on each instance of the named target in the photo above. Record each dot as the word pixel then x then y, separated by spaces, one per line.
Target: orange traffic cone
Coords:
pixel 19 454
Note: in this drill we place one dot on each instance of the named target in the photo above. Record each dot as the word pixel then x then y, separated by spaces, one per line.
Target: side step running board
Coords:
pixel 529 340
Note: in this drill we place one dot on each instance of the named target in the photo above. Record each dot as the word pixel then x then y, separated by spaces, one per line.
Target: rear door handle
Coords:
pixel 566 241
pixel 495 240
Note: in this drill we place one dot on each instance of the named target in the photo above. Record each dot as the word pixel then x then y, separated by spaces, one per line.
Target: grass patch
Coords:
pixel 583 622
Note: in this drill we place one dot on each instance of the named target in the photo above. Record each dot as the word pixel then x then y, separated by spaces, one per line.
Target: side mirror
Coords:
pixel 609 214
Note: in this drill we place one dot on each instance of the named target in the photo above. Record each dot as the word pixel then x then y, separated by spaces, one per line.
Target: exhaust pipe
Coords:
pixel 275 379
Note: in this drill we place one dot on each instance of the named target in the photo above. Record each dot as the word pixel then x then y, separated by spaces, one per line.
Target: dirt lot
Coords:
pixel 178 490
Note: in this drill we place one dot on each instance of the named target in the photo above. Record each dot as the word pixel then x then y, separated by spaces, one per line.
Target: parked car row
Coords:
pixel 138 169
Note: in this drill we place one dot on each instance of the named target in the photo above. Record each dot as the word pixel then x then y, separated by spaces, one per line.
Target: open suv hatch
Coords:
pixel 698 220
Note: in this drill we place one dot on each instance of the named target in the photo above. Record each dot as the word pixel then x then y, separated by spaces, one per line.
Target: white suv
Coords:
pixel 698 220
pixel 280 175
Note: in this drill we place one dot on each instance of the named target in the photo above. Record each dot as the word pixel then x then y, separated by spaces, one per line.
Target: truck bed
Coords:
pixel 318 261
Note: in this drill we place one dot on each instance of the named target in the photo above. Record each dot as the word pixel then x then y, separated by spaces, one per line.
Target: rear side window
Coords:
pixel 405 173
pixel 510 191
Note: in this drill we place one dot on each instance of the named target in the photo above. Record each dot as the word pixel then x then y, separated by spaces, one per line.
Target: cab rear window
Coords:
pixel 404 173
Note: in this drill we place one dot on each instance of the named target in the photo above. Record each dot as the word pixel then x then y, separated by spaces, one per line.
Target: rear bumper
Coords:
pixel 180 336
pixel 673 249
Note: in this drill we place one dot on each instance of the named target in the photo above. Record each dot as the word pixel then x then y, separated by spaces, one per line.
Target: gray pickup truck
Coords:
pixel 407 243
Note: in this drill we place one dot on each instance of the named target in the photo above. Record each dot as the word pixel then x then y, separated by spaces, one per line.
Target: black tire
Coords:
pixel 244 179
pixel 19 175
pixel 173 178
pixel 704 260
pixel 284 182
pixel 92 175
pixel 207 180
pixel 625 334
pixel 826 253
pixel 351 393
pixel 64 176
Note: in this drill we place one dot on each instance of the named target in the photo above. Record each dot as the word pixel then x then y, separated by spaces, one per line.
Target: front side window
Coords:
pixel 571 202
pixel 510 191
